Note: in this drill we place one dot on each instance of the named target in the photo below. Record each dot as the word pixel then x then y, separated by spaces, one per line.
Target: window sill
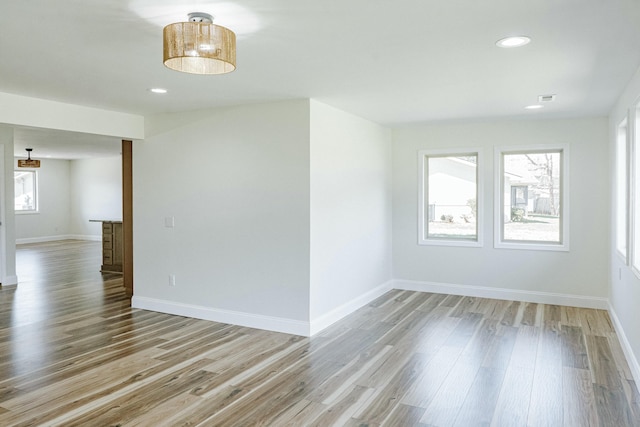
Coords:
pixel 457 243
pixel 533 246
pixel 27 212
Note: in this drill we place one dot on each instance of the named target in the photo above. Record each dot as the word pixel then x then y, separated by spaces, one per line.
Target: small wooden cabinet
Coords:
pixel 112 246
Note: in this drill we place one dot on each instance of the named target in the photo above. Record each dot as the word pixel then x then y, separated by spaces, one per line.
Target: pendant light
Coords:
pixel 28 162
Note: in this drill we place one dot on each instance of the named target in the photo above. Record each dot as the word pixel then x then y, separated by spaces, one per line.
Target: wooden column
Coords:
pixel 127 215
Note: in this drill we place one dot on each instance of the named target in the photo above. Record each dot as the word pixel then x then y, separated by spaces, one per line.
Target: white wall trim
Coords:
pixel 632 360
pixel 298 327
pixel 9 281
pixel 257 321
pixel 505 294
pixel 93 238
pixel 325 320
pixel 56 238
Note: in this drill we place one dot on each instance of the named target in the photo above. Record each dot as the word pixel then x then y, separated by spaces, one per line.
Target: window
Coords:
pixel 26 195
pixel 635 209
pixel 532 207
pixel 449 206
pixel 621 190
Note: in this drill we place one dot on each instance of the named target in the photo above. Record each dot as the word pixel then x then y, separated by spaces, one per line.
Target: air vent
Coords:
pixel 546 98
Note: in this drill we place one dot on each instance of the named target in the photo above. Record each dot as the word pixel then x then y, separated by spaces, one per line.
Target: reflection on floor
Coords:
pixel 73 353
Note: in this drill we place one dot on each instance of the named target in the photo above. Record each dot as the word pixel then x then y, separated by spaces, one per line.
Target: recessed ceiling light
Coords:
pixel 534 107
pixel 516 41
pixel 158 90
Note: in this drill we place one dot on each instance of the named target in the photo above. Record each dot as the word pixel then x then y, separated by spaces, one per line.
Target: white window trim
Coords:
pixel 632 147
pixel 422 240
pixel 625 258
pixel 498 243
pixel 36 191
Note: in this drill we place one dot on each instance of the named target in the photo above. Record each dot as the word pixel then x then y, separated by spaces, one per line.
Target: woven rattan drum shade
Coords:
pixel 199 48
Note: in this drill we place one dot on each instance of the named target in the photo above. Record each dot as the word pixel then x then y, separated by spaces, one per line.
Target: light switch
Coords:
pixel 169 221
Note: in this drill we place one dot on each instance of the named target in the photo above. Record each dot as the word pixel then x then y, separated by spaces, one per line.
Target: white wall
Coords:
pixel 43 113
pixel 71 192
pixel 53 217
pixel 95 193
pixel 350 212
pixel 7 217
pixel 236 180
pixel 625 285
pixel 581 272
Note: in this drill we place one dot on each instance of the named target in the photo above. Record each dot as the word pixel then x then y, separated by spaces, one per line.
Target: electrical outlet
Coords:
pixel 169 221
pixel 172 280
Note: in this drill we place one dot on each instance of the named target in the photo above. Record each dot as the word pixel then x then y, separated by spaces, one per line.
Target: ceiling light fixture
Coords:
pixel 158 90
pixel 534 107
pixel 28 162
pixel 199 47
pixel 515 41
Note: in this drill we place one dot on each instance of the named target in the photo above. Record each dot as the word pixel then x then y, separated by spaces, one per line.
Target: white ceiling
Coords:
pixel 390 62
pixel 55 144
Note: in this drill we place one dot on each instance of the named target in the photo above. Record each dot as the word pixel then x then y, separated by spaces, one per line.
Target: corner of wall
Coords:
pixel 325 320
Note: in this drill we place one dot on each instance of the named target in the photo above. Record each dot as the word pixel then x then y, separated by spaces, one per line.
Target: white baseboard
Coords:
pixel 505 294
pixel 632 360
pixel 93 238
pixel 9 281
pixel 44 239
pixel 327 319
pixel 299 327
pixel 277 324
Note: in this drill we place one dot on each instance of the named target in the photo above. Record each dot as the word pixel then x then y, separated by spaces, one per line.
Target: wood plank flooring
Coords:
pixel 73 353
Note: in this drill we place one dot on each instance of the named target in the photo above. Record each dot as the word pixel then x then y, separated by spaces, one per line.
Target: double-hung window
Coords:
pixel 450 209
pixel 532 208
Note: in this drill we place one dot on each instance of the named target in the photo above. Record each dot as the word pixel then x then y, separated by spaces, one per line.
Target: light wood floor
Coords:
pixel 73 353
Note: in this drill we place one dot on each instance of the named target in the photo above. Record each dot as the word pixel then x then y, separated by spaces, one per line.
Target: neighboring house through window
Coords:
pixel 449 212
pixel 26 191
pixel 531 196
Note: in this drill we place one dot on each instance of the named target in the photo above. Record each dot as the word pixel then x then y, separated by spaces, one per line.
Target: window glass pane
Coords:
pixel 25 190
pixel 531 197
pixel 621 190
pixel 452 192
